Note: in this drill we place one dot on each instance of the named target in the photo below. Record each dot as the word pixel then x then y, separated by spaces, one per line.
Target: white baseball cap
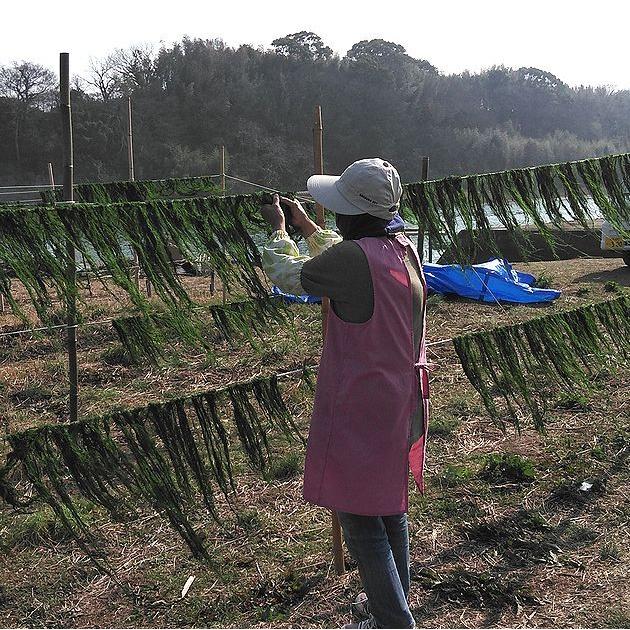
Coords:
pixel 370 186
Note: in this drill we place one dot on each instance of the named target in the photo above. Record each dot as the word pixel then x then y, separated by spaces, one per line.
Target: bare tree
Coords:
pixel 104 77
pixel 135 66
pixel 28 85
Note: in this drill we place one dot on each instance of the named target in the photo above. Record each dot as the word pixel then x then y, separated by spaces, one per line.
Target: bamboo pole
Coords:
pixel 212 273
pixel 318 169
pixel 222 168
pixel 424 175
pixel 68 195
pixel 51 181
pixel 222 172
pixel 425 168
pixel 51 177
pixel 132 177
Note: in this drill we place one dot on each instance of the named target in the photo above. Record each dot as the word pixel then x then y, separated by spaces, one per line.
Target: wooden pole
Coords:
pixel 318 158
pixel 132 177
pixel 424 175
pixel 51 177
pixel 68 195
pixel 222 172
pixel 425 168
pixel 222 168
pixel 318 169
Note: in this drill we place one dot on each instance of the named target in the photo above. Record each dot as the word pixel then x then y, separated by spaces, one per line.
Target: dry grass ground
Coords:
pixel 504 536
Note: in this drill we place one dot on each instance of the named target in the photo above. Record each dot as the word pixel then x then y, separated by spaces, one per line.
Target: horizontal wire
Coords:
pixel 20 202
pixel 298 371
pixel 261 186
pixel 34 187
pixel 315 367
pixel 30 331
pixel 17 192
pixel 439 343
pixel 298 195
pixel 93 323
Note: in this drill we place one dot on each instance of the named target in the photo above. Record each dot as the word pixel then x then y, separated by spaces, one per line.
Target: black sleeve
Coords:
pixel 342 274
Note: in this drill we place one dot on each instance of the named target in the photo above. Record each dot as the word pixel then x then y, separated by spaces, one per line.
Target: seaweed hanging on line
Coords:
pixel 543 195
pixel 546 196
pixel 140 337
pixel 33 240
pixel 527 364
pixel 247 318
pixel 33 246
pixel 161 456
pixel 144 336
pixel 138 190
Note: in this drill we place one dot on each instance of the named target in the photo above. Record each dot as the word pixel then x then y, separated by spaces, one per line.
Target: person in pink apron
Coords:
pixel 370 415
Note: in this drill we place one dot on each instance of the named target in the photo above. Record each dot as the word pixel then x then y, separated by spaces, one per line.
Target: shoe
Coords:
pixel 360 607
pixel 365 623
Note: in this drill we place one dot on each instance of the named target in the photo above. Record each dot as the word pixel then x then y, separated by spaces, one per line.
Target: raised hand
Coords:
pixel 272 213
pixel 299 218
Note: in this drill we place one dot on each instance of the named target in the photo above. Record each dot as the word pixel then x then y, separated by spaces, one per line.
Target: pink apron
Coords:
pixel 370 376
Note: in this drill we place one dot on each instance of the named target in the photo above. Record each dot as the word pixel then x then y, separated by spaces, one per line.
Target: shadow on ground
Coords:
pixel 515 546
pixel 620 275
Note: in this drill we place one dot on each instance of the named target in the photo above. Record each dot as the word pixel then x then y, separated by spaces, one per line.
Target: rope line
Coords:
pixel 316 366
pixel 439 343
pixel 262 187
pixel 33 188
pixel 244 181
pixel 487 288
pixel 298 371
pixel 30 331
pixel 17 192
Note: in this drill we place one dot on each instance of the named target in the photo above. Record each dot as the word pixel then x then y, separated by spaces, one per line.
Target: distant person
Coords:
pixel 371 405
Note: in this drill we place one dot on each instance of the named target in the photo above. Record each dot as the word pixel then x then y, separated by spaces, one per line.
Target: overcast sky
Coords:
pixel 582 42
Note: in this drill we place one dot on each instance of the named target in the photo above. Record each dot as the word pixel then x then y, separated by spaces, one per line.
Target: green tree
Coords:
pixel 305 46
pixel 27 85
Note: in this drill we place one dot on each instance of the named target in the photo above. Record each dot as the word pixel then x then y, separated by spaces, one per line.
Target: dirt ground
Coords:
pixel 541 541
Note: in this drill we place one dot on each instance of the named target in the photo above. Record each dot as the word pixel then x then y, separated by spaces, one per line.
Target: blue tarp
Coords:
pixel 487 282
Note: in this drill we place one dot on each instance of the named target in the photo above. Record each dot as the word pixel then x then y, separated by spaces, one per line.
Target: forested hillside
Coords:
pixel 195 95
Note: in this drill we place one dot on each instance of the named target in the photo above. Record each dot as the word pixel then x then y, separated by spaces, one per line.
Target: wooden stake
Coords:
pixel 68 195
pixel 318 169
pixel 222 172
pixel 424 175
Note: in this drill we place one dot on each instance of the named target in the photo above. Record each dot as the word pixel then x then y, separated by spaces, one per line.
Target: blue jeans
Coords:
pixel 380 547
